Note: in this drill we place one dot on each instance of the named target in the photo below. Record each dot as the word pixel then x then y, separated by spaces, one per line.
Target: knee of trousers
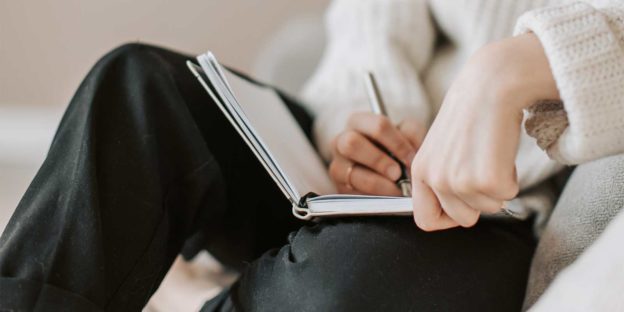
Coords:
pixel 385 264
pixel 138 53
pixel 128 75
pixel 130 85
pixel 140 57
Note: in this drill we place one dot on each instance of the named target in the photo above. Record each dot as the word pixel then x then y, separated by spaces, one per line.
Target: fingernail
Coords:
pixel 394 172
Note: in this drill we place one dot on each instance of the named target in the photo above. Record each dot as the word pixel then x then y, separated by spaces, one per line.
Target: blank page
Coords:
pixel 273 123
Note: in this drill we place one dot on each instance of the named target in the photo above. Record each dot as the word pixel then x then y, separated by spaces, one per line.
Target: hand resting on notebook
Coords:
pixel 359 166
pixel 466 164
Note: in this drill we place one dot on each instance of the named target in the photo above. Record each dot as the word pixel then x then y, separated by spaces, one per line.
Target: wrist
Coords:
pixel 525 75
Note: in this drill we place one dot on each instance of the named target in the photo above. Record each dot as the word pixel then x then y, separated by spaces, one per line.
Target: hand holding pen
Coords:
pixel 404 182
pixel 361 161
pixel 378 107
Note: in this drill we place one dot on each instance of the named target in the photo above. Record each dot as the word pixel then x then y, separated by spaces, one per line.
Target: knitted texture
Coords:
pixel 415 48
pixel 546 121
pixel 583 43
pixel 392 38
pixel 401 42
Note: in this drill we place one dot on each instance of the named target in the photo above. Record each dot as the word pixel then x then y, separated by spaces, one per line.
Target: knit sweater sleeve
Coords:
pixel 584 43
pixel 392 38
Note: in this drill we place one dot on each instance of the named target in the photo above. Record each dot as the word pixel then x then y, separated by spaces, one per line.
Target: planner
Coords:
pixel 266 125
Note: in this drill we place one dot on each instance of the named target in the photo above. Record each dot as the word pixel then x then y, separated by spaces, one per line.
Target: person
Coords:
pixel 144 166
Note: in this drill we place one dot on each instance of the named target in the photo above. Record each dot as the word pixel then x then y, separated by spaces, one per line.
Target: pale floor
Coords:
pixel 13 183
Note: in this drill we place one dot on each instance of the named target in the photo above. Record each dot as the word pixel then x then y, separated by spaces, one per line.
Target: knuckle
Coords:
pixel 405 150
pixel 379 186
pixel 411 128
pixel 348 142
pixel 470 221
pixel 379 162
pixel 439 183
pixel 406 126
pixel 462 185
pixel 486 184
pixel 497 186
pixel 419 131
pixel 369 183
pixel 425 226
pixel 345 190
pixel 333 169
pixel 380 126
pixel 492 208
pixel 353 118
pixel 512 190
pixel 374 185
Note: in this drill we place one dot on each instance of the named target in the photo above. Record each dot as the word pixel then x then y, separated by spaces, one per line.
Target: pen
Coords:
pixel 378 107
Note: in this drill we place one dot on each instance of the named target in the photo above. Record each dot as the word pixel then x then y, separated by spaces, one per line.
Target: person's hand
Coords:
pixel 359 166
pixel 466 164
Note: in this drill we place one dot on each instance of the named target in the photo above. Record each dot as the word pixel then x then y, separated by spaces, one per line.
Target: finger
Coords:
pixel 428 213
pixel 339 169
pixel 382 131
pixel 413 131
pixel 343 189
pixel 369 182
pixel 339 172
pixel 498 176
pixel 498 183
pixel 481 202
pixel 455 208
pixel 356 147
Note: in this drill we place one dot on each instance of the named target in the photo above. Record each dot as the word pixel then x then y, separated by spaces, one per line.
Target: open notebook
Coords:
pixel 268 128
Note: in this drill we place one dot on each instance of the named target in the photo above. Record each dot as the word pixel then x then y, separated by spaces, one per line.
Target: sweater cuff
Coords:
pixel 587 63
pixel 546 121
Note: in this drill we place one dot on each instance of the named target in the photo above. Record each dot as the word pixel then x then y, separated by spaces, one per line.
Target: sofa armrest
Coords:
pixel 592 197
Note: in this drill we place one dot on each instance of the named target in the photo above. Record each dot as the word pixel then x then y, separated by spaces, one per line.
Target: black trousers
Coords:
pixel 144 166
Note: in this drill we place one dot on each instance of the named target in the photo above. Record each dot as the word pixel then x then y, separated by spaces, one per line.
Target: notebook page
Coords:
pixel 241 123
pixel 245 133
pixel 278 131
pixel 216 73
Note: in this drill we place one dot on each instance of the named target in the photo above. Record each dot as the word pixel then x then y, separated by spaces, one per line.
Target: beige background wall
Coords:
pixel 47 46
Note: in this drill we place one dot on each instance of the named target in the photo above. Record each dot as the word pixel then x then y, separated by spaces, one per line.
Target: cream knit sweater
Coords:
pixel 416 46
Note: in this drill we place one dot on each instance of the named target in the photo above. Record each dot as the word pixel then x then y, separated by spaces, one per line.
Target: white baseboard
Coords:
pixel 26 133
pixel 25 136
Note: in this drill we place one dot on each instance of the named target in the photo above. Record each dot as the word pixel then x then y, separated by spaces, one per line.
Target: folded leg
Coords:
pixel 387 264
pixel 143 165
